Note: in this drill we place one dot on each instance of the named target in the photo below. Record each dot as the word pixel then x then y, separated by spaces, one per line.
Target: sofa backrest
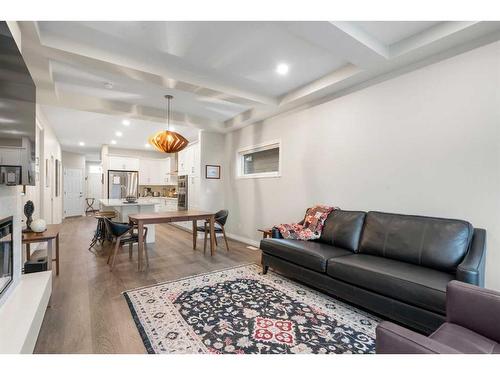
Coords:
pixel 427 241
pixel 343 229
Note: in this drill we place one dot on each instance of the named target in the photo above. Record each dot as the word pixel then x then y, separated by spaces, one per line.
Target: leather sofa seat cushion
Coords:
pixel 343 229
pixel 426 241
pixel 464 340
pixel 415 285
pixel 309 254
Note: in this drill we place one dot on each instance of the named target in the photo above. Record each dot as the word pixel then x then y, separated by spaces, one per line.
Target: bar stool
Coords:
pixel 100 234
pixel 90 205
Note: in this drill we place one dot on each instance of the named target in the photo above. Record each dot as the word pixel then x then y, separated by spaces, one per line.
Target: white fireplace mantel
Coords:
pixel 22 313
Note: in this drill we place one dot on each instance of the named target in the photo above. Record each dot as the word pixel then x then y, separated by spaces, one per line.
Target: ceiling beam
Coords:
pixel 112 107
pixel 78 48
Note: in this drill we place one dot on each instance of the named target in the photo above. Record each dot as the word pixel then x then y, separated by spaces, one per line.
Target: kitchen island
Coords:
pixel 124 209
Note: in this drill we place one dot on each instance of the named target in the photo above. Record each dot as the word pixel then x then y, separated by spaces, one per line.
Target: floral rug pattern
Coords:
pixel 241 311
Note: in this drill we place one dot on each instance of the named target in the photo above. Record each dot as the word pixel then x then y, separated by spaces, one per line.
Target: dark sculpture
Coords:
pixel 29 208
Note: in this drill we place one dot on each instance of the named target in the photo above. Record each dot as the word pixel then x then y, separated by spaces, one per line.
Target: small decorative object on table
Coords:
pixel 29 208
pixel 212 172
pixel 38 226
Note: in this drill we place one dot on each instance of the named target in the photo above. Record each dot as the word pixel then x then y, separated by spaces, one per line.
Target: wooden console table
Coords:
pixel 171 217
pixel 49 236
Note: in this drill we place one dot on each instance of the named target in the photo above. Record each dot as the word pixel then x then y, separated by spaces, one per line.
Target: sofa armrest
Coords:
pixel 475 308
pixel 394 339
pixel 471 270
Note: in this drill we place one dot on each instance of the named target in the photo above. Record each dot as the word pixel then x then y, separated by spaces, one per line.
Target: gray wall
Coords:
pixel 423 143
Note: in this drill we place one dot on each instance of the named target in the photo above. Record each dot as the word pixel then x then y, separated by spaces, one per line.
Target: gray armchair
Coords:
pixel 472 326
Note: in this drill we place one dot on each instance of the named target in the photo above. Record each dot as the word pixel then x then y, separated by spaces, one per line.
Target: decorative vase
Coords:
pixel 29 208
pixel 38 225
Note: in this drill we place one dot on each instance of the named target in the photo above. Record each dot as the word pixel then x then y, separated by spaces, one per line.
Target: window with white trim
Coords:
pixel 259 161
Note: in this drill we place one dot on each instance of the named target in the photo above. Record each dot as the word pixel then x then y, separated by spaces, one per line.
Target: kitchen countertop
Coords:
pixel 120 202
pixel 169 198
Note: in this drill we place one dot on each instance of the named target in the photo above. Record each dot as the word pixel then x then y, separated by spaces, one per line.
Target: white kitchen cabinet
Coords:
pixel 144 172
pixel 154 172
pixel 183 161
pixel 189 160
pixel 159 171
pixel 123 163
pixel 195 166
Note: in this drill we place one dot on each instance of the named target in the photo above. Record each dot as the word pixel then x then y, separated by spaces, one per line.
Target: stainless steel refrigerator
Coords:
pixel 122 184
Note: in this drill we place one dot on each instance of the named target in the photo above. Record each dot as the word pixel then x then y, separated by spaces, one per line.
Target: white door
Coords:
pixel 73 192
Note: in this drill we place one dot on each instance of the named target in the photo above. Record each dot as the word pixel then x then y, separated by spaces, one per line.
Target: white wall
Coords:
pixel 423 143
pixel 33 193
pixel 73 160
pixel 50 150
pixel 211 195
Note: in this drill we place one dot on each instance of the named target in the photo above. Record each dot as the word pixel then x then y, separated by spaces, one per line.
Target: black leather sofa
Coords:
pixel 396 266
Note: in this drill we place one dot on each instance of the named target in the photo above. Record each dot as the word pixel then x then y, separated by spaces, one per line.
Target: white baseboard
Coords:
pixel 248 241
pixel 235 237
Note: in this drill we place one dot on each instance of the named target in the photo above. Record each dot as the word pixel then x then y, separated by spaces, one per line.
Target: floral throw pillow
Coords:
pixel 311 228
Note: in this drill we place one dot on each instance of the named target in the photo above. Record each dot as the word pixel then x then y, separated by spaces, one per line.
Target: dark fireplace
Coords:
pixel 6 255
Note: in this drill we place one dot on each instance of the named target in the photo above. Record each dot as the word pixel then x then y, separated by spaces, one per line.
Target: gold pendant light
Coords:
pixel 166 140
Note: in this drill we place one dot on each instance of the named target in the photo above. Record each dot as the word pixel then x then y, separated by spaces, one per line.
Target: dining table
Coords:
pixel 142 219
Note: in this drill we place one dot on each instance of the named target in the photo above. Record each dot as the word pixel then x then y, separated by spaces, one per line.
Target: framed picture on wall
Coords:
pixel 212 172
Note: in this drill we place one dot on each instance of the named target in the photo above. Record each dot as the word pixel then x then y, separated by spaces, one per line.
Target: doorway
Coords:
pixel 73 192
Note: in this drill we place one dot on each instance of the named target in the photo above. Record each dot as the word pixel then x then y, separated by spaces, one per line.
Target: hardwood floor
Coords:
pixel 88 314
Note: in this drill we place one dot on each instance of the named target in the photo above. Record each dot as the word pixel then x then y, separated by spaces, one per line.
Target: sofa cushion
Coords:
pixel 464 340
pixel 310 254
pixel 430 242
pixel 415 285
pixel 343 229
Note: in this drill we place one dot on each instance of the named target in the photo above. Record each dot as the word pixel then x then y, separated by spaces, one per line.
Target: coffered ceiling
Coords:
pixel 223 74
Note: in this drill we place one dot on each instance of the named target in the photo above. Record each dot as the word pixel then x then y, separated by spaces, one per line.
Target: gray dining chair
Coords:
pixel 220 222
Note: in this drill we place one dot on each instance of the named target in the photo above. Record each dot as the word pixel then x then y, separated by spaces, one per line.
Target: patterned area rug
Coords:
pixel 238 310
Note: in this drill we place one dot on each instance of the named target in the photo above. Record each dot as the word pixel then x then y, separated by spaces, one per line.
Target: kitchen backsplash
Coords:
pixel 158 190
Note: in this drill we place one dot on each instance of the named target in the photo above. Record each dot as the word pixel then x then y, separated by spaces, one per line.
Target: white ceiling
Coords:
pixel 96 129
pixel 394 31
pixel 222 74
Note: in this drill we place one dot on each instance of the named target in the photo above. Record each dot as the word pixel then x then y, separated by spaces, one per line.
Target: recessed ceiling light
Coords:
pixel 6 120
pixel 81 143
pixel 108 85
pixel 282 69
pixel 126 122
pixel 113 142
pixel 118 134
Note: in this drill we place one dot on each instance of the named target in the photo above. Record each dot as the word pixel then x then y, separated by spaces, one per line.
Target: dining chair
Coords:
pixel 220 221
pixel 124 233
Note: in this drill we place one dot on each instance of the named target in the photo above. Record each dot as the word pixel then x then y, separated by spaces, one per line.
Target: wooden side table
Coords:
pixel 49 236
pixel 266 233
